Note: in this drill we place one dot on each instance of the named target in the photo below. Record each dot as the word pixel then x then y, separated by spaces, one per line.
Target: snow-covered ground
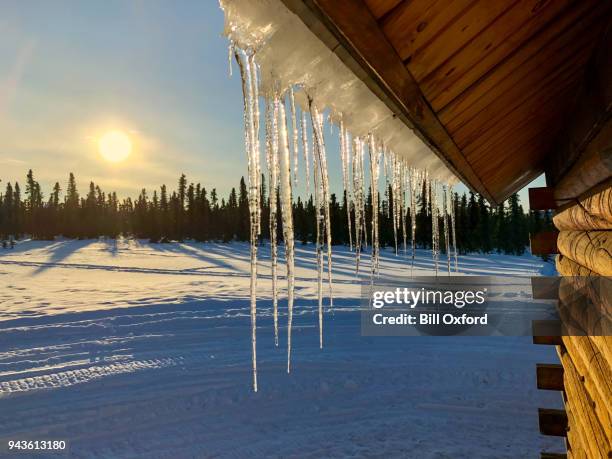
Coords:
pixel 133 350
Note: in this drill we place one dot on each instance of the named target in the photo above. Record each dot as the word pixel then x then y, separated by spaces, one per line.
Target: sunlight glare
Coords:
pixel 115 146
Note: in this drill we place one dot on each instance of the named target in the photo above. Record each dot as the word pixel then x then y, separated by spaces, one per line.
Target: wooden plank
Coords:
pixel 549 376
pixel 536 51
pixel 547 455
pixel 590 114
pixel 488 49
pixel 552 422
pixel 542 198
pixel 362 46
pixel 523 147
pixel 380 8
pixel 544 242
pixel 454 36
pixel 525 126
pixel 528 82
pixel 416 23
pixel 535 117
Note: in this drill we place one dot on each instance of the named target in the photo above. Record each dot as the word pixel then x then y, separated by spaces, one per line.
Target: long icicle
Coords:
pixel 403 203
pixel 396 195
pixel 319 223
pixel 295 135
pixel 452 212
pixel 446 232
pixel 287 217
pixel 305 151
pixel 317 122
pixel 345 158
pixel 374 174
pixel 358 197
pixel 413 223
pixel 273 167
pixel 250 99
pixel 435 233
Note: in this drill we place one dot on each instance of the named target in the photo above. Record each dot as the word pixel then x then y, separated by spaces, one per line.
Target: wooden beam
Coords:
pixel 549 376
pixel 547 340
pixel 545 455
pixel 552 422
pixel 350 30
pixel 542 198
pixel 544 243
pixel 547 332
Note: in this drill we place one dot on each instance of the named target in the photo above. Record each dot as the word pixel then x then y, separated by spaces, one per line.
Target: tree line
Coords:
pixel 192 212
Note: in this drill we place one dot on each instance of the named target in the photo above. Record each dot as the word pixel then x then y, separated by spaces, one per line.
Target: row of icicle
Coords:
pixel 285 132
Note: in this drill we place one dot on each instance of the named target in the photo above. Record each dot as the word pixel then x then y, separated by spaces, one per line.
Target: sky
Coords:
pixel 70 71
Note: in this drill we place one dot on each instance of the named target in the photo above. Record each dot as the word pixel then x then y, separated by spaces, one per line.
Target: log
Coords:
pixel 591 249
pixel 594 374
pixel 573 442
pixel 592 211
pixel 585 304
pixel 568 267
pixel 549 376
pixel 603 344
pixel 593 437
pixel 546 455
pixel 593 167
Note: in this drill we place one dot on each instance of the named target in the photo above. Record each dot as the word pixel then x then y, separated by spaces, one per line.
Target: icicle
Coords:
pixel 273 169
pixel 364 226
pixel 358 197
pixel 319 224
pixel 374 174
pixel 317 123
pixel 248 74
pixel 413 202
pixel 345 153
pixel 427 192
pixel 452 213
pixel 230 56
pixel 435 233
pixel 396 191
pixel 287 217
pixel 446 241
pixel 403 203
pixel 295 135
pixel 305 151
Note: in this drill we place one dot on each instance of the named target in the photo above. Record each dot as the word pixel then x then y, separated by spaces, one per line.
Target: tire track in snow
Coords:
pixel 80 376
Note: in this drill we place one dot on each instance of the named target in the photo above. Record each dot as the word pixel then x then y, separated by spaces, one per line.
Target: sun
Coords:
pixel 115 146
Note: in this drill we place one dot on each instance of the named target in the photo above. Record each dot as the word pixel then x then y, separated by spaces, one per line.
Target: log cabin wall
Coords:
pixel 581 174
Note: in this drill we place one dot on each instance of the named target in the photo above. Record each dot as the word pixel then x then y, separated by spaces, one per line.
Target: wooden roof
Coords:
pixel 487 84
